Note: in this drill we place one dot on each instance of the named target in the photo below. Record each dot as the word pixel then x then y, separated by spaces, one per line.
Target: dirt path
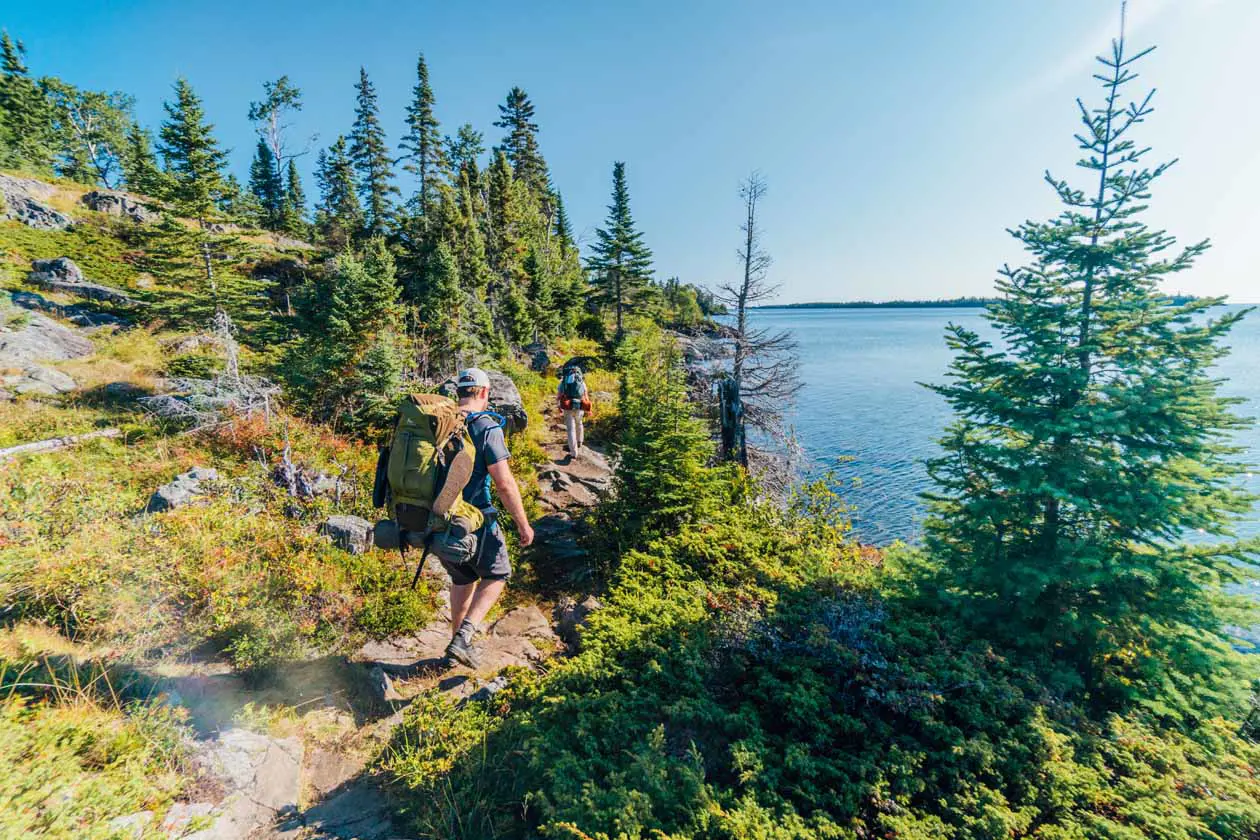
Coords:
pixel 301 770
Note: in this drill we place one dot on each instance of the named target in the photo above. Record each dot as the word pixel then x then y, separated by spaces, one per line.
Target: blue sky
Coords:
pixel 899 139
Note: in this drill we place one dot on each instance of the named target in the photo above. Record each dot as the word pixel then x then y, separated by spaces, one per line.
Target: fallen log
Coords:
pixel 57 443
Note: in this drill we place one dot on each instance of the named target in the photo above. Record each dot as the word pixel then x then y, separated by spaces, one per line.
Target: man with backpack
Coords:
pixel 434 477
pixel 475 587
pixel 574 402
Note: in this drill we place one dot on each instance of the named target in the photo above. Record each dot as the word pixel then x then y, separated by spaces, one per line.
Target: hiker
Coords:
pixel 574 402
pixel 476 586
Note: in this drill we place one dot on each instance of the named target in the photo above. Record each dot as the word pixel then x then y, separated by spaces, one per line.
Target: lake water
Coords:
pixel 863 413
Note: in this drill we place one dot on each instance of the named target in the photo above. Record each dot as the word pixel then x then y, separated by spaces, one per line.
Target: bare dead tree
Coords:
pixel 763 376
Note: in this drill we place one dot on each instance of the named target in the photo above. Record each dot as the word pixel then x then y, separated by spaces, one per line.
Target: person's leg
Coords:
pixel 461 597
pixel 571 430
pixel 580 430
pixel 486 594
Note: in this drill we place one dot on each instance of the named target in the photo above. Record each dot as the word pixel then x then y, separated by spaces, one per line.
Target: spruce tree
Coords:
pixel 425 158
pixel 561 228
pixel 621 264
pixel 1091 438
pixel 521 142
pixel 141 172
pixel 267 187
pixel 464 150
pixel 338 216
pixel 294 202
pixel 372 162
pixel 27 117
pixel 347 367
pixel 194 161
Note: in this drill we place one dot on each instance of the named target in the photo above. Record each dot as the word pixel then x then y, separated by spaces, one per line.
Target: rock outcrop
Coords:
pixel 76 313
pixel 118 204
pixel 349 533
pixel 539 360
pixel 26 200
pixel 36 337
pixel 184 489
pixel 61 274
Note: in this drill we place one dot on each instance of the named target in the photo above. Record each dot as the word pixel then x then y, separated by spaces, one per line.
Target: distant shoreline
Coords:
pixel 943 303
pixel 890 304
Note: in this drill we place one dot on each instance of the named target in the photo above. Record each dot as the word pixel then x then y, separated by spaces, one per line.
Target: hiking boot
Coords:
pixel 460 649
pixel 462 652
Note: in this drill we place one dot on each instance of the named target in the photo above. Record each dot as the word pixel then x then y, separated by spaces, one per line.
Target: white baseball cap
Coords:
pixel 472 378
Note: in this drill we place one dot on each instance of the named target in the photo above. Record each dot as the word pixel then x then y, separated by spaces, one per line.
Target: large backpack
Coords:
pixel 573 386
pixel 421 478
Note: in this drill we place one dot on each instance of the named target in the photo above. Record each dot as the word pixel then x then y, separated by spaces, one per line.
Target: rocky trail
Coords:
pixel 292 758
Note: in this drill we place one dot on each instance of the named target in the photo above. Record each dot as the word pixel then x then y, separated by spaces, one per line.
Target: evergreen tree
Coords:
pixel 197 189
pixel 439 309
pixel 621 263
pixel 424 155
pixel 338 216
pixel 370 154
pixel 26 116
pixel 267 187
pixel 561 228
pixel 294 202
pixel 1091 439
pixel 347 366
pixel 141 172
pixel 464 150
pixel 521 142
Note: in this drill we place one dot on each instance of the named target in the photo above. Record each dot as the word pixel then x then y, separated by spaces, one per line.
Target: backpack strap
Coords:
pixel 499 419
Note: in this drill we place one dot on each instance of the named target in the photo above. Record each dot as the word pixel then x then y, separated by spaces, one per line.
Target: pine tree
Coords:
pixel 372 161
pixel 267 187
pixel 347 366
pixel 338 216
pixel 425 158
pixel 464 150
pixel 439 309
pixel 26 113
pixel 294 202
pixel 621 263
pixel 521 142
pixel 561 228
pixel 1090 439
pixel 141 172
pixel 196 189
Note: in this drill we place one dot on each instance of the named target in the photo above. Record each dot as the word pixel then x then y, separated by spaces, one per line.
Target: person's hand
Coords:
pixel 526 533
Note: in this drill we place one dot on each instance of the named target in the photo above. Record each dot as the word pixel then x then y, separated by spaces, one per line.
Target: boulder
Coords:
pixel 505 399
pixel 61 274
pixel 77 314
pixel 184 489
pixel 349 533
pixel 36 379
pixel 26 200
pixel 571 616
pixel 118 204
pixel 40 338
pixel 489 689
pixel 524 622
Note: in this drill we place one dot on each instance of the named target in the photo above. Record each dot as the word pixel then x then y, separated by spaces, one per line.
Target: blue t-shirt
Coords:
pixel 488 441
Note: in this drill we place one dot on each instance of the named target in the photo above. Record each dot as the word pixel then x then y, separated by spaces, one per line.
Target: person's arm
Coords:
pixel 510 495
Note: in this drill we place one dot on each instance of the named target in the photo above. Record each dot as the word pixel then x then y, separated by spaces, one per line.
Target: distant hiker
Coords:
pixel 574 402
pixel 477 585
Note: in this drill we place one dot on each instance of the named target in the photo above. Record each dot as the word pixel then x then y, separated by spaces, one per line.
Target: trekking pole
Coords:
pixel 428 538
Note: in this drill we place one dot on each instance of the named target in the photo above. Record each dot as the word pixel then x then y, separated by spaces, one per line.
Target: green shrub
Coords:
pixel 194 365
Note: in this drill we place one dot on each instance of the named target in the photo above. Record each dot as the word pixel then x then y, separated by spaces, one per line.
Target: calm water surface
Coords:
pixel 862 401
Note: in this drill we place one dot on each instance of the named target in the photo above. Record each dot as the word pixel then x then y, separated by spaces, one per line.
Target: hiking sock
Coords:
pixel 466 631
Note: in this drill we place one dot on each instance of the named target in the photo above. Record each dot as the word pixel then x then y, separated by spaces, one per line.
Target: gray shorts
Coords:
pixel 491 562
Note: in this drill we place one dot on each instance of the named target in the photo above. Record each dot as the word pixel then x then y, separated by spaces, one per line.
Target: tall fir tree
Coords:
pixel 1090 439
pixel 25 112
pixel 561 228
pixel 424 155
pixel 294 201
pixel 141 172
pixel 339 215
pixel 372 161
pixel 267 187
pixel 196 188
pixel 464 150
pixel 347 365
pixel 521 142
pixel 621 264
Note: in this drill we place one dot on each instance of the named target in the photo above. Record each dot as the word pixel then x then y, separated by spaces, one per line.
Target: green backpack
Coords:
pixel 421 478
